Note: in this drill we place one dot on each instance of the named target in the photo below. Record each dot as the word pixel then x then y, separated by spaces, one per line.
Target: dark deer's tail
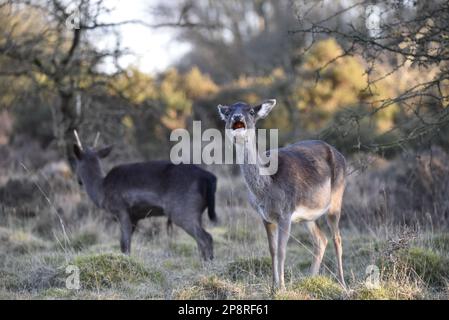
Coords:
pixel 211 187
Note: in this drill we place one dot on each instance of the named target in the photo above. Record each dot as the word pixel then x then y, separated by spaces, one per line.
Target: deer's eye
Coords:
pixel 252 112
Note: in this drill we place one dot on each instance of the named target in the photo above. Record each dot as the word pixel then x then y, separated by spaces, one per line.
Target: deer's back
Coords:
pixel 154 181
pixel 304 167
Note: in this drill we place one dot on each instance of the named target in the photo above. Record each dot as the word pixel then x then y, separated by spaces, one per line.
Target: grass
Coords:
pixel 319 287
pixel 245 268
pixel 388 291
pixel 34 255
pixel 109 269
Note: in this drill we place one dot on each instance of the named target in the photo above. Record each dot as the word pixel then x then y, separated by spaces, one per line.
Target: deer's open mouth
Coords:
pixel 238 125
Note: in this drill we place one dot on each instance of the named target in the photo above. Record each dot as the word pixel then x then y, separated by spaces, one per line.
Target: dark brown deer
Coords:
pixel 309 182
pixel 132 192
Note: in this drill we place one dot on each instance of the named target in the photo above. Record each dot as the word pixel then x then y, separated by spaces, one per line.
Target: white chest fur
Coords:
pixel 306 214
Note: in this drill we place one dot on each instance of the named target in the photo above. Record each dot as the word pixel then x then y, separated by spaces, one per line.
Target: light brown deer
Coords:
pixel 308 184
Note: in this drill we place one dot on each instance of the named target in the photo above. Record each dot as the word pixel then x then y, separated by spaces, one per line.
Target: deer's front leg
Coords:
pixel 272 230
pixel 126 228
pixel 283 236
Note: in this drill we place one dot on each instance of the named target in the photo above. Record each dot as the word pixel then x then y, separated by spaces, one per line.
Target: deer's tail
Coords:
pixel 211 187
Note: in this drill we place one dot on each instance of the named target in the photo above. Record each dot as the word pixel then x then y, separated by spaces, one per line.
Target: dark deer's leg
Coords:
pixel 203 239
pixel 126 228
pixel 319 241
pixel 283 236
pixel 207 244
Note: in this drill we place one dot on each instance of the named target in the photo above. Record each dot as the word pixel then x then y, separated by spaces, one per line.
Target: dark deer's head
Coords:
pixel 87 161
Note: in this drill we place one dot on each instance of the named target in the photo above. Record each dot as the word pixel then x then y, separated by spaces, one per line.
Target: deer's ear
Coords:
pixel 77 151
pixel 265 108
pixel 103 153
pixel 223 111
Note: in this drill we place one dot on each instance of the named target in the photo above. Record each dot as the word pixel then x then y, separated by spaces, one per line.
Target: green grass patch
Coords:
pixel 108 269
pixel 417 263
pixel 387 291
pixel 319 287
pixel 211 288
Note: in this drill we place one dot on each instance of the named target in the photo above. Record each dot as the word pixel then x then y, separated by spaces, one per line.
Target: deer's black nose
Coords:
pixel 237 117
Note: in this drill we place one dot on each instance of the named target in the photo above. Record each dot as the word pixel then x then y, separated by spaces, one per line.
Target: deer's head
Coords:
pixel 242 117
pixel 87 160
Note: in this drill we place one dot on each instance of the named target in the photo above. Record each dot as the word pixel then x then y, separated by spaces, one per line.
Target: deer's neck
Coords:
pixel 93 182
pixel 251 168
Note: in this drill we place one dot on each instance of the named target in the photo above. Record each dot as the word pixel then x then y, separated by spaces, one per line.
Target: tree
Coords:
pixel 249 37
pixel 49 42
pixel 398 39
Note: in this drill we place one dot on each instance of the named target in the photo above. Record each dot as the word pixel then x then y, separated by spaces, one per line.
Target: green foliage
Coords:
pixel 108 269
pixel 387 291
pixel 428 265
pixel 210 287
pixel 320 287
pixel 340 83
pixel 417 263
pixel 135 86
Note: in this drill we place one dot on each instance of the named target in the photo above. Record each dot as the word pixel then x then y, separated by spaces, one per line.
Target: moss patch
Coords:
pixel 291 295
pixel 210 288
pixel 106 270
pixel 388 291
pixel 319 287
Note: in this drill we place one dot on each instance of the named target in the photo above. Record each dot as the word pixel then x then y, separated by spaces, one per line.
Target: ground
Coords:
pixel 40 239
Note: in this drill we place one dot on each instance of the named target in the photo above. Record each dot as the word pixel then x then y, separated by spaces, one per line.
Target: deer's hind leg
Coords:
pixel 202 237
pixel 189 219
pixel 333 219
pixel 319 241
